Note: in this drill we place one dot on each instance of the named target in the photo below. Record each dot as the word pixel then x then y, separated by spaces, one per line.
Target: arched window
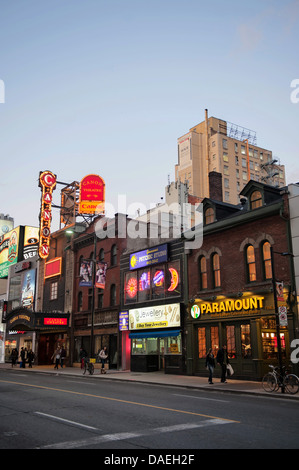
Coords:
pixel 203 278
pixel 101 255
pixel 79 266
pixel 80 301
pixel 256 200
pixel 112 295
pixel 216 270
pixel 113 255
pixel 267 265
pixel 209 216
pixel 250 261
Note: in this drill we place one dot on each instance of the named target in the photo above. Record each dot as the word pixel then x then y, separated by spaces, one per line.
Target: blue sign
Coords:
pixel 150 257
pixel 124 320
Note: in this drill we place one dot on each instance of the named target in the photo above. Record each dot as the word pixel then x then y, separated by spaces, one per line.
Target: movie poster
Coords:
pixel 101 269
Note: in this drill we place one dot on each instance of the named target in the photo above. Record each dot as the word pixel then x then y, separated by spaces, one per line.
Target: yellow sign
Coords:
pixel 230 305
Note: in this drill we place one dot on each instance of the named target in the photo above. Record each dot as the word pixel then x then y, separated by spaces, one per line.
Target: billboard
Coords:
pixel 92 195
pixel 9 250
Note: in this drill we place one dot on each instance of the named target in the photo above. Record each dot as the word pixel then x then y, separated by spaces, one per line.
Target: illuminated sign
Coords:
pixel 9 250
pixel 174 279
pixel 131 287
pixel 161 316
pixel 124 321
pixel 55 321
pixel 92 195
pixel 47 182
pixel 53 268
pixel 31 237
pixel 149 257
pixel 226 306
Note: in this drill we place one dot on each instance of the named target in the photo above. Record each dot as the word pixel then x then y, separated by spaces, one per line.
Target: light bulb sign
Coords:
pixel 47 183
pixel 92 195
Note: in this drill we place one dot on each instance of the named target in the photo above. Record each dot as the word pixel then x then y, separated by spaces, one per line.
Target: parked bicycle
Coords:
pixel 88 366
pixel 273 380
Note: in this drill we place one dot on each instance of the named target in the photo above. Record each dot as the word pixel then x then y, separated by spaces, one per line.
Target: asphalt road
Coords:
pixel 40 411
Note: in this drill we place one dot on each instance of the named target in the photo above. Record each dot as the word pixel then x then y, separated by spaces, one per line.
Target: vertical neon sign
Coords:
pixel 47 182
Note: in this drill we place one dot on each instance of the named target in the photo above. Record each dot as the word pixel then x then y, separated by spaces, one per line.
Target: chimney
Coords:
pixel 215 186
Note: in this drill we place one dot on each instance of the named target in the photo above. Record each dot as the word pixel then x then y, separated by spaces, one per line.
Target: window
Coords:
pixel 244 175
pixel 237 173
pixel 224 144
pixel 226 182
pixel 216 270
pixel 100 298
pixel 113 295
pixel 226 196
pixel 209 216
pixel 202 349
pixel 236 160
pixel 244 163
pixel 256 200
pixel 236 147
pixel 54 290
pixel 250 260
pixel 214 339
pixel 225 157
pixel 101 255
pixel 80 301
pixel 266 249
pixel 113 255
pixel 245 341
pixel 231 341
pixel 203 277
pixel 225 170
pixel 243 151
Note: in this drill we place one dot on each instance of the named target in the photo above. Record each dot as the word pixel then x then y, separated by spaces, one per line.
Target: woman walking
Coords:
pixel 210 364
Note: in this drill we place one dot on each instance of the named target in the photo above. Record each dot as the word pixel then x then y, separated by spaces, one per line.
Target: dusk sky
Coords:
pixel 107 87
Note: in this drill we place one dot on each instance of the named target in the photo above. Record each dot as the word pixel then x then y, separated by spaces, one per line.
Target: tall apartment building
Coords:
pixel 217 145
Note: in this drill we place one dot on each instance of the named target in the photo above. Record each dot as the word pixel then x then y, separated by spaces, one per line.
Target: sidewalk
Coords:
pixel 158 378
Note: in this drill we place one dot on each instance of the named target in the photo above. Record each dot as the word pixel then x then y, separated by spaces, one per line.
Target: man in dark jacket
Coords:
pixel 222 360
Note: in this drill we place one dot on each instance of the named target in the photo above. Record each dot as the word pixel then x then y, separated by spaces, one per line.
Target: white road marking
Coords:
pixel 200 398
pixel 127 435
pixel 67 421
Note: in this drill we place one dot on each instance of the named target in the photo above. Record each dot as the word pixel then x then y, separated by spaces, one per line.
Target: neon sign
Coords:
pixel 174 279
pixel 131 287
pixel 47 181
pixel 92 195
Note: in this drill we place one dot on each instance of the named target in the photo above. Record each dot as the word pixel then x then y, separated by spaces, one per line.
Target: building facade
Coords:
pixel 231 299
pixel 216 145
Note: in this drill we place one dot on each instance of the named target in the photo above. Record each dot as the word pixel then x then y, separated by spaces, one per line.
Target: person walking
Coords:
pixel 23 358
pixel 30 357
pixel 14 357
pixel 103 356
pixel 210 364
pixel 222 360
pixel 62 356
pixel 83 356
pixel 56 356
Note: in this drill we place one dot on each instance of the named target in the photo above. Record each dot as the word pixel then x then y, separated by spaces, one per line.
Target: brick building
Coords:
pixel 230 282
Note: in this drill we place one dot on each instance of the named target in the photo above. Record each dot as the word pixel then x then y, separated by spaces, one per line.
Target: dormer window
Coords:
pixel 209 216
pixel 256 200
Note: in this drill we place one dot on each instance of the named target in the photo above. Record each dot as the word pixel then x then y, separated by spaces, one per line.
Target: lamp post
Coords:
pixel 277 313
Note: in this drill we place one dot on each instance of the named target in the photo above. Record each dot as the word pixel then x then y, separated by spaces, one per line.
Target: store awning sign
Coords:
pixel 150 257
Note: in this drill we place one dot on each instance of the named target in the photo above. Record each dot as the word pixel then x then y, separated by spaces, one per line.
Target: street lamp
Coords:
pixel 277 313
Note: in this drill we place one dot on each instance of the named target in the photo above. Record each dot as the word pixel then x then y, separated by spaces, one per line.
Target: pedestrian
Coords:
pixel 83 355
pixel 210 365
pixel 23 358
pixel 103 356
pixel 222 360
pixel 14 357
pixel 56 356
pixel 30 357
pixel 62 356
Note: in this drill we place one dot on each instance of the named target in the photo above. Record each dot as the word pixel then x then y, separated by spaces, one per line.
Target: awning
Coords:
pixel 154 334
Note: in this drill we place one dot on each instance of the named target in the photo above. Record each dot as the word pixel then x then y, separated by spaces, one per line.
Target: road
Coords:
pixel 40 411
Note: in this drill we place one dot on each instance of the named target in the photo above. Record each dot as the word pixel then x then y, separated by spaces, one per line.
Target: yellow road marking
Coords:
pixel 117 400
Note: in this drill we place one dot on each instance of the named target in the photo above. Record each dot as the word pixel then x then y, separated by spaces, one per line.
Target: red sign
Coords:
pixel 53 268
pixel 55 321
pixel 47 181
pixel 92 195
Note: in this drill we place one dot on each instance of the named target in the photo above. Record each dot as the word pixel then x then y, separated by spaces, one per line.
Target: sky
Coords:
pixel 108 86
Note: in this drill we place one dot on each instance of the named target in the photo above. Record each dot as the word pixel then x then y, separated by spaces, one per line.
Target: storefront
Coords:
pixel 246 323
pixel 156 339
pixel 151 322
pixel 41 332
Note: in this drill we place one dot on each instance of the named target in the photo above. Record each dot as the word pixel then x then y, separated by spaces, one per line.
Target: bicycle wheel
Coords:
pixel 91 368
pixel 269 382
pixel 291 383
pixel 84 369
